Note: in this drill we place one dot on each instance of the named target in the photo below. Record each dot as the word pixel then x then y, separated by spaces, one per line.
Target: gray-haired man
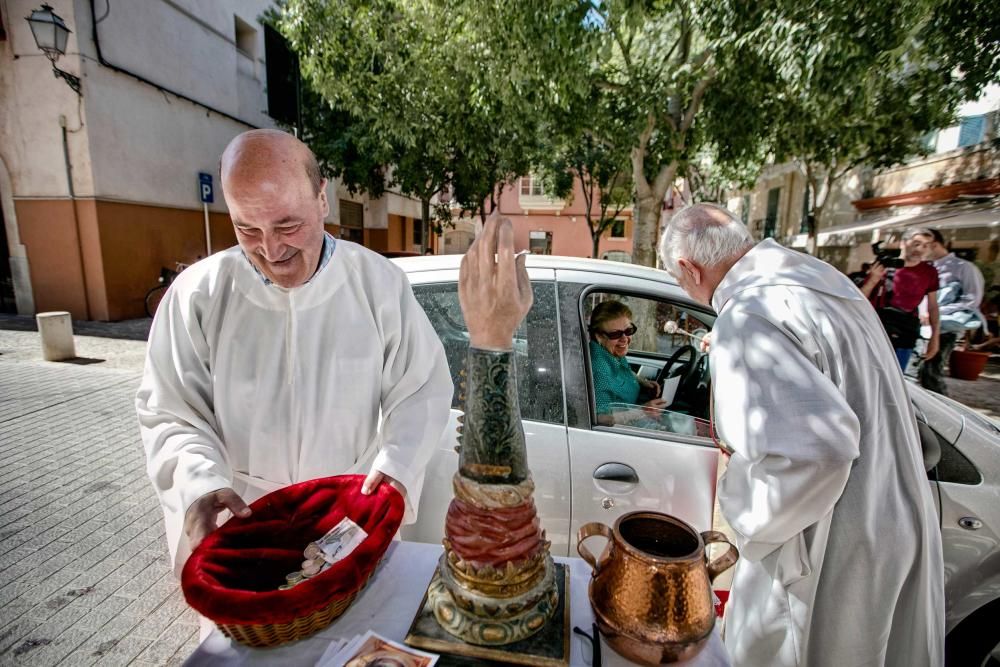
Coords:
pixel 826 467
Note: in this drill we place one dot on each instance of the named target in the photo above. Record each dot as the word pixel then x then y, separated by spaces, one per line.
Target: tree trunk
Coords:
pixel 425 220
pixel 812 242
pixel 649 201
pixel 596 238
pixel 811 220
pixel 647 224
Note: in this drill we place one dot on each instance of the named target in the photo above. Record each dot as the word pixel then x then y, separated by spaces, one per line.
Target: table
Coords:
pixel 389 603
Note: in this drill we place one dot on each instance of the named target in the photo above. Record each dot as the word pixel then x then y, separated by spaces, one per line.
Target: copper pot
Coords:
pixel 651 588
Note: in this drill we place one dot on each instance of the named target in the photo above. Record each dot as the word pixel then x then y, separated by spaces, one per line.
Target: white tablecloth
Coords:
pixel 389 603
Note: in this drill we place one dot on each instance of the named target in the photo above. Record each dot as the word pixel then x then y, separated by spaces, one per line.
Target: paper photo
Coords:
pixel 340 541
pixel 376 651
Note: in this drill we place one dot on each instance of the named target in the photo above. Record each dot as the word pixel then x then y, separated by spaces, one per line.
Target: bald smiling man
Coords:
pixel 288 357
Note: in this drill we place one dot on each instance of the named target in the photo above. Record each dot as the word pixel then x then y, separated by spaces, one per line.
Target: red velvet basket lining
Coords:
pixel 233 575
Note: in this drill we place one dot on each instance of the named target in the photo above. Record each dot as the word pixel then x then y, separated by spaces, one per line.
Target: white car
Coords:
pixel 585 471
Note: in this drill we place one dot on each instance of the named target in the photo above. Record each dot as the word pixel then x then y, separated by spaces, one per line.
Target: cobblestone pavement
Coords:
pixel 84 577
pixel 83 564
pixel 105 344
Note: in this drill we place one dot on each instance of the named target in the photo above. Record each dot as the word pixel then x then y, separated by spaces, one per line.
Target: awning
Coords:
pixel 955 216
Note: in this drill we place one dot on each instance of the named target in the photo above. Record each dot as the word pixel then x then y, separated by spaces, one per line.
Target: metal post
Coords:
pixel 208 232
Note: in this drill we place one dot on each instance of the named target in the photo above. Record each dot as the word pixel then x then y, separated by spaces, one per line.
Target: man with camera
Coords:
pixel 897 285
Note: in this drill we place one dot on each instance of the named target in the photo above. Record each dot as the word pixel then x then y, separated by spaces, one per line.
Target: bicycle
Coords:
pixel 155 294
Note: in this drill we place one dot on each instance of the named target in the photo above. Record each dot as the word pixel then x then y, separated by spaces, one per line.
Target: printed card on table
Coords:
pixel 372 650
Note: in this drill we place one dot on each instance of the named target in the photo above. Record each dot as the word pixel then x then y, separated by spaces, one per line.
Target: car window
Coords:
pixel 954 467
pixel 654 379
pixel 536 347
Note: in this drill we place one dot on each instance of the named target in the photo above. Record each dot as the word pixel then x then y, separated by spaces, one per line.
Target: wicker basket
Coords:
pixel 262 636
pixel 227 578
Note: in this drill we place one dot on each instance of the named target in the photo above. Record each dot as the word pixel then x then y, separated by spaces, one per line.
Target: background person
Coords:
pixel 897 293
pixel 841 560
pixel 290 357
pixel 960 291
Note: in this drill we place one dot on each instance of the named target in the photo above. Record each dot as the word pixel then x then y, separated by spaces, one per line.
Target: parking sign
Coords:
pixel 205 187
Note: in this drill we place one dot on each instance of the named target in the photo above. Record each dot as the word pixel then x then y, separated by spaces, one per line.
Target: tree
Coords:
pixel 438 99
pixel 372 116
pixel 603 173
pixel 466 94
pixel 851 102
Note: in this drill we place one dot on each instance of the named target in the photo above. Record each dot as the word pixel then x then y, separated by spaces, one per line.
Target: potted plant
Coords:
pixel 965 363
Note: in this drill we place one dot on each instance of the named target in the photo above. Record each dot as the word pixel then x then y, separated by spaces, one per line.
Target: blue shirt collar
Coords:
pixel 329 243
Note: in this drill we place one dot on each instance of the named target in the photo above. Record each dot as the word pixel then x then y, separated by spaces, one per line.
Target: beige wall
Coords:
pixel 119 259
pixel 49 235
pixel 837 208
pixel 975 163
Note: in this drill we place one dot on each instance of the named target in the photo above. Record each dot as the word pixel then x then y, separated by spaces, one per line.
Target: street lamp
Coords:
pixel 50 33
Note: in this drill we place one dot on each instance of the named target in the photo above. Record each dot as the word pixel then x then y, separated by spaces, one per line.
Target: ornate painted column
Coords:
pixel 495 583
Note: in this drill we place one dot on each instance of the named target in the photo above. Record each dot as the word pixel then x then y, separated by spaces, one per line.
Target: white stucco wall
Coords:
pixel 146 145
pixel 186 46
pixel 31 103
pixel 137 143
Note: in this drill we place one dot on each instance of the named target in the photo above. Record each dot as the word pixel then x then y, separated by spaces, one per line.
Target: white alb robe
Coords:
pixel 253 386
pixel 841 560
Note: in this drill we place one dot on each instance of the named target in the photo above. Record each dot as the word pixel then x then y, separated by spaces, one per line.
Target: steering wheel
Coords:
pixel 685 370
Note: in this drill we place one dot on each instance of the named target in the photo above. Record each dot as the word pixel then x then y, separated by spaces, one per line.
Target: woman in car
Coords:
pixel 615 384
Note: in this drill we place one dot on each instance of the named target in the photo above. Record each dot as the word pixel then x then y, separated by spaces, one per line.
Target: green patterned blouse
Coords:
pixel 614 381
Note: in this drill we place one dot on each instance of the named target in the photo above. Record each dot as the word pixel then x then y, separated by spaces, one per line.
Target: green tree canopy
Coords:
pixel 867 81
pixel 469 95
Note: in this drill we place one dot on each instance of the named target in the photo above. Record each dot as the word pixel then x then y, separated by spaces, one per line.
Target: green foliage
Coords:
pixel 430 90
pixel 869 80
pixel 574 155
pixel 466 96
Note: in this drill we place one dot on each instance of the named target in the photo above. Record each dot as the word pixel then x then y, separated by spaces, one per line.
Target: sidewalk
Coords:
pixel 84 578
pixel 83 561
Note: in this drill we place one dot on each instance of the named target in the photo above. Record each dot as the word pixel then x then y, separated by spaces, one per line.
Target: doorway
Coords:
pixel 7 301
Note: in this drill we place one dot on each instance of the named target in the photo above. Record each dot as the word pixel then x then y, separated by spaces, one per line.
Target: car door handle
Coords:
pixel 970 523
pixel 616 472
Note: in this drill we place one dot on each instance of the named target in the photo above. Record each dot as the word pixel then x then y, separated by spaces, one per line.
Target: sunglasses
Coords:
pixel 618 333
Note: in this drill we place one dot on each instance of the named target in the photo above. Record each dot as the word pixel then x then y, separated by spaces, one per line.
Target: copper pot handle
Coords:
pixel 591 529
pixel 723 562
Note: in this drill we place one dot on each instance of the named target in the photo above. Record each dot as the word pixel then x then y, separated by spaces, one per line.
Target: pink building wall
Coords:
pixel 570 234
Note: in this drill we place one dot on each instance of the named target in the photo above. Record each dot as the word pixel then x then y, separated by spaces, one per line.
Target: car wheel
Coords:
pixel 974 641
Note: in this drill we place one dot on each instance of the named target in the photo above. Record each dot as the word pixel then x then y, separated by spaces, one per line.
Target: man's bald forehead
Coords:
pixel 256 150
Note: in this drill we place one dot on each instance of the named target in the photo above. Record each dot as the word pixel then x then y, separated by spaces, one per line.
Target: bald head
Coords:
pixel 700 244
pixel 255 151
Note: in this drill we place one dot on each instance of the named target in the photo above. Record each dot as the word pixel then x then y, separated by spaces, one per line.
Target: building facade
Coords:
pixel 955 188
pixel 100 190
pixel 548 226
